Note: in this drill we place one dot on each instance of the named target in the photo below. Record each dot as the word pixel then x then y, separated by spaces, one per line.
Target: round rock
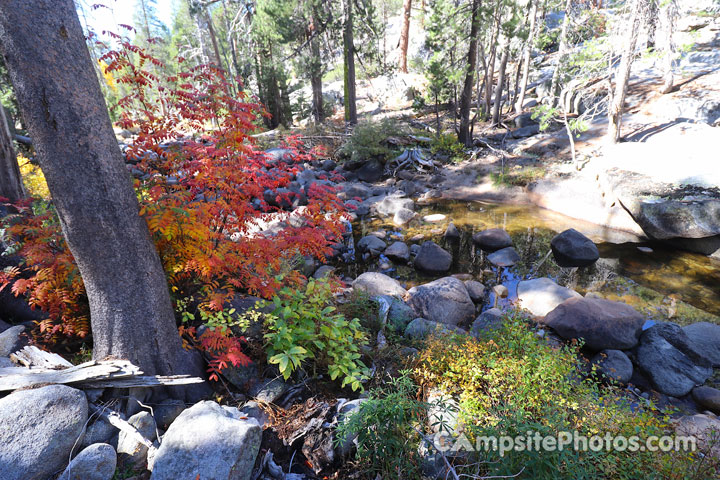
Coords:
pixel 614 365
pixel 433 259
pixel 492 239
pixel 573 249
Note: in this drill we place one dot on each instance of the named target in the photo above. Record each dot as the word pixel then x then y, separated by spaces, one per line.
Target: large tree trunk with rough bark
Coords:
pixel 562 53
pixel 622 74
pixel 349 99
pixel 59 96
pixel 405 36
pixel 11 186
pixel 464 136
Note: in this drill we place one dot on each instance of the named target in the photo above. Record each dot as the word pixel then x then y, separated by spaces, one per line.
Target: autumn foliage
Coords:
pixel 206 191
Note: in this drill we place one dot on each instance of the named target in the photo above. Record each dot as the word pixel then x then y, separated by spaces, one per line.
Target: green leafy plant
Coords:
pixel 447 144
pixel 368 141
pixel 304 327
pixel 385 428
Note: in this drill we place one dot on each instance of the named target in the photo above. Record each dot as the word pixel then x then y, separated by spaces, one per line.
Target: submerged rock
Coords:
pixel 492 239
pixel 506 257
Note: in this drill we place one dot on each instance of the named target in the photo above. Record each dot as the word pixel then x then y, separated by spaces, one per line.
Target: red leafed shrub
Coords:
pixel 203 188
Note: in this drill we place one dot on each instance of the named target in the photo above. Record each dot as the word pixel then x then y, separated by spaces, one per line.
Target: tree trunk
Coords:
pixel 349 98
pixel 526 56
pixel 669 20
pixel 500 84
pixel 316 72
pixel 464 136
pixel 490 71
pixel 131 312
pixel 11 186
pixel 615 111
pixel 405 35
pixel 562 52
pixel 213 38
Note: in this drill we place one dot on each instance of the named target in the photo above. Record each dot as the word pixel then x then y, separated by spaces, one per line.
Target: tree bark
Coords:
pixel 213 38
pixel 669 20
pixel 562 52
pixel 615 111
pixel 316 71
pixel 349 98
pixel 464 136
pixel 405 35
pixel 11 186
pixel 59 95
pixel 526 56
pixel 501 83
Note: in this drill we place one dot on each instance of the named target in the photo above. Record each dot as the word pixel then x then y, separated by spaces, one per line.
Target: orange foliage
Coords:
pixel 202 195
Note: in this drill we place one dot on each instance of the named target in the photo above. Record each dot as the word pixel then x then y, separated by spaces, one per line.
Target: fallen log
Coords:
pixel 22 377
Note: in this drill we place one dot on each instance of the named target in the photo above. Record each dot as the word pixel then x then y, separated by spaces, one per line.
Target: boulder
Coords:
pixel 524 132
pixel 323 272
pixel 452 233
pixel 130 451
pixel 573 249
pixel 603 324
pixel 707 338
pixel 420 329
pixel 10 340
pixel 358 190
pixel 38 430
pixel 403 216
pixel 345 445
pixel 614 365
pixel 670 360
pixel 399 313
pixel 433 259
pixel 704 428
pixel 398 251
pixel 371 243
pixel 96 462
pixel 506 257
pixel 167 411
pixel 371 171
pixel 269 390
pixel 707 397
pixel 492 239
pixel 445 300
pixel 541 295
pixel 475 289
pixel 488 321
pixel 100 431
pixel 209 442
pixel 374 283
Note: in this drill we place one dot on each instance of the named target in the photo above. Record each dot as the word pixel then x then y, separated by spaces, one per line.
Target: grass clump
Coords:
pixel 517 177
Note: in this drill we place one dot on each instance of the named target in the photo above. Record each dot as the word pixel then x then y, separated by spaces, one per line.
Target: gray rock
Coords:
pixel 323 272
pixel 603 324
pixel 306 177
pixel 130 451
pixel 389 205
pixel 500 291
pixel 371 243
pixel 399 313
pixel 269 390
pixel 167 411
pixel 206 441
pixel 276 155
pixel 492 239
pixel 403 216
pixel 475 289
pixel 10 341
pixel 39 428
pixel 573 249
pixel 359 190
pixel 252 409
pixel 96 462
pixel 488 321
pixel 420 329
pixel 452 233
pixel 345 445
pixel 328 165
pixel 707 397
pixel 242 376
pixel 541 295
pixel 506 257
pixel 614 365
pixel 371 171
pixel 707 338
pixel 528 131
pixel 443 412
pixel 670 360
pixel 398 251
pixel 431 258
pixel 445 300
pixel 374 283
pixel 100 431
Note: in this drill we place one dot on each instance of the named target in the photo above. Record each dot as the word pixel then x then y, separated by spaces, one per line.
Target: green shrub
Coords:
pixel 447 144
pixel 369 141
pixel 514 382
pixel 384 424
pixel 304 327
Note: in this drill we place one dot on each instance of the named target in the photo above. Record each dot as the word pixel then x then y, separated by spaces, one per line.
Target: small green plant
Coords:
pixel 520 177
pixel 447 144
pixel 385 428
pixel 304 326
pixel 212 319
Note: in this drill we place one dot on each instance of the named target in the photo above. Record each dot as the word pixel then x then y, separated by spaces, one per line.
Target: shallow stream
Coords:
pixel 664 283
